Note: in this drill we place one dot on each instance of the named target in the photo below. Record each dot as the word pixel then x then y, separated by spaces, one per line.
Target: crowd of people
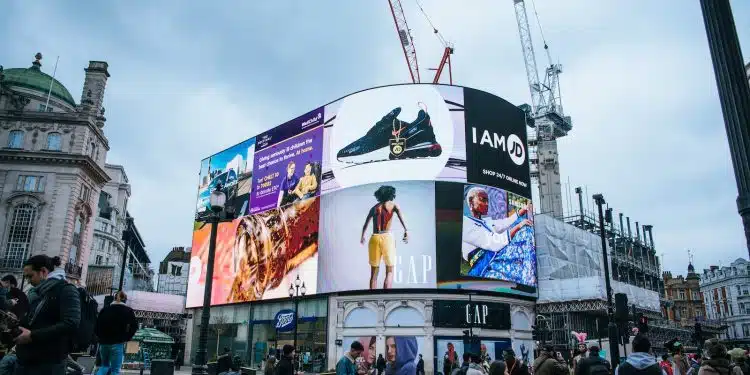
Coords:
pixel 40 329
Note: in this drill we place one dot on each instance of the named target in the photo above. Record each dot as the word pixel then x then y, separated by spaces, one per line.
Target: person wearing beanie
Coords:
pixel 716 361
pixel 286 365
pixel 593 364
pixel 739 361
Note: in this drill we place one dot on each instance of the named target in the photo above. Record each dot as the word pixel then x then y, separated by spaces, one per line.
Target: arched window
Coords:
pixel 76 243
pixel 54 141
pixel 19 235
pixel 361 317
pixel 404 317
pixel 16 139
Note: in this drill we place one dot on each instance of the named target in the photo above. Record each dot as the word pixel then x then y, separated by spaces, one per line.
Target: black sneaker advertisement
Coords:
pixel 496 147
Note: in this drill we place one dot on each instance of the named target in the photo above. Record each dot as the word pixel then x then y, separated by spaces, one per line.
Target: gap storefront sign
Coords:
pixel 464 314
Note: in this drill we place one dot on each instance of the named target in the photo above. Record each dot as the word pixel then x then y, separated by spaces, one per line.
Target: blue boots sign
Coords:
pixel 284 321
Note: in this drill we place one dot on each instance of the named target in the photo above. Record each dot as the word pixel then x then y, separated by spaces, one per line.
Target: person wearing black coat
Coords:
pixel 285 365
pixel 380 365
pixel 17 301
pixel 47 331
pixel 514 366
pixel 115 325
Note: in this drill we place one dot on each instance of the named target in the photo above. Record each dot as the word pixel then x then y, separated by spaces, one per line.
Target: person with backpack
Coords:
pixel 640 361
pixel 593 364
pixel 466 361
pixel 115 326
pixel 48 330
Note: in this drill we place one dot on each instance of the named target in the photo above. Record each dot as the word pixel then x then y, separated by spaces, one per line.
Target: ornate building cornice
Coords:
pixel 40 119
pixel 96 172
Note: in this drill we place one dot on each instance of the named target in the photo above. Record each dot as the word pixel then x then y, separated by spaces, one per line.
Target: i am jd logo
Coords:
pixel 513 145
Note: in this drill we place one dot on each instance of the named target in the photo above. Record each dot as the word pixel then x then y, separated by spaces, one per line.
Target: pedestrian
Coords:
pixel 640 361
pixel 739 361
pixel 464 368
pixel 47 331
pixel 347 364
pixel 593 364
pixel 381 364
pixel 285 366
pixel 498 368
pixel 270 365
pixel 681 365
pixel 717 361
pixel 550 363
pixel 18 303
pixel 666 365
pixel 695 364
pixel 513 366
pixel 115 326
pixel 475 366
pixel 420 366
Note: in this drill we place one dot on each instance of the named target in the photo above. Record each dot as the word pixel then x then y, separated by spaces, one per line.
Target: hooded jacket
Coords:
pixel 547 365
pixel 406 354
pixel 640 361
pixel 718 366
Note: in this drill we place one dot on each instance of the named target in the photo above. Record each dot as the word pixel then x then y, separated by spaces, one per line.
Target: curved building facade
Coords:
pixel 394 210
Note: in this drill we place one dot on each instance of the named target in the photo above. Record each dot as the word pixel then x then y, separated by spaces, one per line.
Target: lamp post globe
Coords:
pixel 217 200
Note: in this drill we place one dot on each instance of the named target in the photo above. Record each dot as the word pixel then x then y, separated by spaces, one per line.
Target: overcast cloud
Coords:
pixel 188 81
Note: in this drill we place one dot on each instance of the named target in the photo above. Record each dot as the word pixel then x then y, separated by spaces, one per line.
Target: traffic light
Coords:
pixel 698 334
pixel 642 323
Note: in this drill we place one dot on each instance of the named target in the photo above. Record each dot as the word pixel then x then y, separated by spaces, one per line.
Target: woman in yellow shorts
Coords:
pixel 381 245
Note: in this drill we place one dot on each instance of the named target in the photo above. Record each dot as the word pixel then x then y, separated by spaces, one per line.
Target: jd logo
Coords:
pixel 512 144
pixel 516 149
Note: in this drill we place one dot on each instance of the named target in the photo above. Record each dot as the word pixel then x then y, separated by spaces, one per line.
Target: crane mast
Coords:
pixel 548 121
pixel 407 42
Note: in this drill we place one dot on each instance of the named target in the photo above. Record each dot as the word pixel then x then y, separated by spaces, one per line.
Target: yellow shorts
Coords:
pixel 383 246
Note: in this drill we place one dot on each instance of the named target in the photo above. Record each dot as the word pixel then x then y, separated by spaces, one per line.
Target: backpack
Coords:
pixel 89 312
pixel 599 368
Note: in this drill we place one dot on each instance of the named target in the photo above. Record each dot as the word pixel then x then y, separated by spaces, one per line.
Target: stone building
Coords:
pixel 685 297
pixel 727 293
pixel 173 272
pixel 52 166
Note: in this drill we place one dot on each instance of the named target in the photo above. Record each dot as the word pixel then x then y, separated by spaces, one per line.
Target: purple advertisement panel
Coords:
pixel 289 129
pixel 288 171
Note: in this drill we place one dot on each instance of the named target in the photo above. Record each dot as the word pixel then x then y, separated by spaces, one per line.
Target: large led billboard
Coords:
pixel 397 187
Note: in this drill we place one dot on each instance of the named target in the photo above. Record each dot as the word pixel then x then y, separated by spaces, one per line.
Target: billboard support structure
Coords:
pixel 217 213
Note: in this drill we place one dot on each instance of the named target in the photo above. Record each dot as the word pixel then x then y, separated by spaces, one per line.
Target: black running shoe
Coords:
pixel 373 145
pixel 417 140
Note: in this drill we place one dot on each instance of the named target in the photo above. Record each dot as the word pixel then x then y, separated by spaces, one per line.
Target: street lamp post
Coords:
pixel 215 214
pixel 297 289
pixel 614 347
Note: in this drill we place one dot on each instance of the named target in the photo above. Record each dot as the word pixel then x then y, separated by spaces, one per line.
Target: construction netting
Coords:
pixel 570 266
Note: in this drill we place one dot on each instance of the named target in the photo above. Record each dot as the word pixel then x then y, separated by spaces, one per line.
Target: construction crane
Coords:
pixel 410 51
pixel 545 116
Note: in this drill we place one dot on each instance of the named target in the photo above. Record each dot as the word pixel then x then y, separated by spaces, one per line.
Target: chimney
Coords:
pixel 645 239
pixel 637 232
pixel 630 234
pixel 651 235
pixel 93 87
pixel 622 228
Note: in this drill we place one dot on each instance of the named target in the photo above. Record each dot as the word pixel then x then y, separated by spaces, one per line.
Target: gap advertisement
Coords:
pixel 413 186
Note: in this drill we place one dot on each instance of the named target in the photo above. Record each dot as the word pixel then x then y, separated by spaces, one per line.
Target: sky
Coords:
pixel 190 80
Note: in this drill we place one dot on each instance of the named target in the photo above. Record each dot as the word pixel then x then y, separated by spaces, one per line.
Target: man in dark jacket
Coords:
pixel 17 302
pixel 381 364
pixel 115 326
pixel 513 365
pixel 420 366
pixel 593 364
pixel 48 329
pixel 285 366
pixel 549 364
pixel 640 362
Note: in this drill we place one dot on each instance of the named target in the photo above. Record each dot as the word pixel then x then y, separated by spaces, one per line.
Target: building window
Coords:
pixel 98 259
pixel 19 235
pixel 682 294
pixel 44 108
pixel 30 183
pixel 739 290
pixel 85 194
pixel 92 150
pixel 16 139
pixel 76 243
pixel 54 141
pixel 176 270
pixel 742 308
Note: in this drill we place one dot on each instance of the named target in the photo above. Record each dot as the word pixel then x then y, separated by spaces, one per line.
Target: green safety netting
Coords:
pixel 153 344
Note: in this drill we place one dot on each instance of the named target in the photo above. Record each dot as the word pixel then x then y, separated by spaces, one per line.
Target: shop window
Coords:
pixel 404 317
pixel 361 317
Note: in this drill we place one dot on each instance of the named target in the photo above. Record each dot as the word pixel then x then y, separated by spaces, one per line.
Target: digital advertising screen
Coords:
pixel 414 186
